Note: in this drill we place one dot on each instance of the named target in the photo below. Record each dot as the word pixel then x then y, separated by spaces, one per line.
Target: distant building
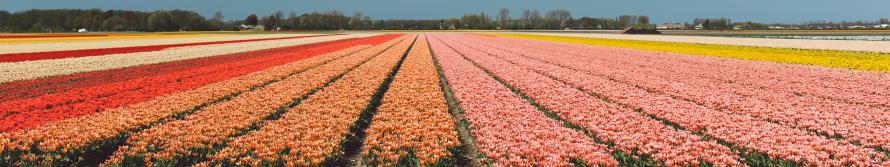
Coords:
pixel 856 27
pixel 670 26
pixel 259 28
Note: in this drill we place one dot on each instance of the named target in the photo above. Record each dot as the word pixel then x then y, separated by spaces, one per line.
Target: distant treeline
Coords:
pixel 68 20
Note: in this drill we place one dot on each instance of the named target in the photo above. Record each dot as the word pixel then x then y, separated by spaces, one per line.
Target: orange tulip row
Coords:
pixel 73 137
pixel 177 141
pixel 413 115
pixel 312 131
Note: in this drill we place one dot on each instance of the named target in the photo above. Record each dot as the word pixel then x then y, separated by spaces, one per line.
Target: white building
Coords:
pixel 670 26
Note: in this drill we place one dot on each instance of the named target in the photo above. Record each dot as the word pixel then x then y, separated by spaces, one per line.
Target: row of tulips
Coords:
pixel 68 141
pixel 18 57
pixel 22 114
pixel 853 122
pixel 44 68
pixel 56 84
pixel 628 130
pixel 30 45
pixel 311 132
pixel 840 84
pixel 172 142
pixel 744 84
pixel 743 131
pixel 859 55
pixel 507 129
pixel 413 120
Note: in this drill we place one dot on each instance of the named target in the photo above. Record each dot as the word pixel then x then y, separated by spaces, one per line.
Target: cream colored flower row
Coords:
pixel 413 115
pixel 67 137
pixel 43 68
pixel 312 131
pixel 212 125
pixel 143 41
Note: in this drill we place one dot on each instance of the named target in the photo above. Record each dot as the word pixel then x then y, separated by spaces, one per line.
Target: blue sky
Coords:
pixel 771 11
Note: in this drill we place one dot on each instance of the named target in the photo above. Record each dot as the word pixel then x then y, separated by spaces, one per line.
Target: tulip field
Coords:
pixel 434 99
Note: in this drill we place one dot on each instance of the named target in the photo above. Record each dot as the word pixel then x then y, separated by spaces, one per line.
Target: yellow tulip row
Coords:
pixel 828 58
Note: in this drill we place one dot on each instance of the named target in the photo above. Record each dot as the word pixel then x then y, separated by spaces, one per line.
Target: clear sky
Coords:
pixel 770 11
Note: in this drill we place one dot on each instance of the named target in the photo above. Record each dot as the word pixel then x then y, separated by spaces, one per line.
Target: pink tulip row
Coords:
pixel 742 130
pixel 852 86
pixel 312 131
pixel 212 125
pixel 840 84
pixel 72 136
pixel 510 131
pixel 413 115
pixel 866 125
pixel 659 68
pixel 627 129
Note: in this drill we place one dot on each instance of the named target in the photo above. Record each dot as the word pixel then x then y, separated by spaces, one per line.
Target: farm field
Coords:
pixel 424 98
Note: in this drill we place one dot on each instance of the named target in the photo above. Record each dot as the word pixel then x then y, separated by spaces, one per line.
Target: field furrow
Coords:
pixel 189 140
pixel 19 114
pixel 312 133
pixel 508 130
pixel 629 131
pixel 739 130
pixel 412 125
pixel 73 141
pixel 857 124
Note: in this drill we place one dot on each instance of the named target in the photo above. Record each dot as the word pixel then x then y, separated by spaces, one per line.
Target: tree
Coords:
pixel 525 19
pixel 217 19
pixel 293 20
pixel 558 19
pixel 278 20
pixel 503 17
pixel 251 20
pixel 114 23
pixel 161 21
pixel 535 19
pixel 356 21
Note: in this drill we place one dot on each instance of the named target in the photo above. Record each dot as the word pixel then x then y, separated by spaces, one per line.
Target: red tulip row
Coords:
pixel 58 84
pixel 627 129
pixel 743 131
pixel 67 141
pixel 413 117
pixel 22 114
pixel 172 142
pixel 510 131
pixel 312 131
pixel 855 123
pixel 17 57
